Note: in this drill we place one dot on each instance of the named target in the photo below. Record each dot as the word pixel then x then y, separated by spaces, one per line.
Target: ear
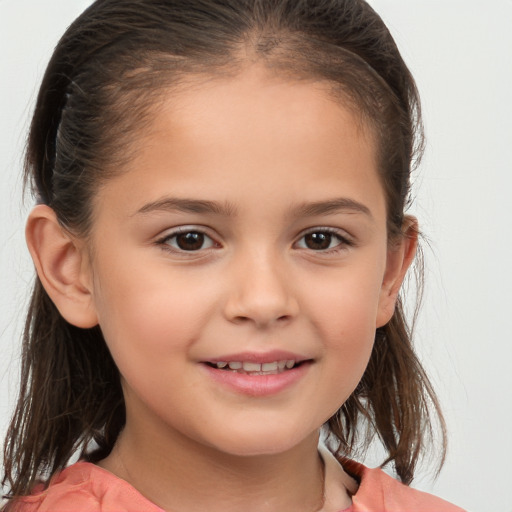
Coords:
pixel 61 267
pixel 400 255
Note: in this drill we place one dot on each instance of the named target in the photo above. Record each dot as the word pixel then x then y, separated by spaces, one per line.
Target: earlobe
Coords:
pixel 399 259
pixel 59 264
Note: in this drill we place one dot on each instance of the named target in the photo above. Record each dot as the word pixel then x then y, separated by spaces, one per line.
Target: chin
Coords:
pixel 264 443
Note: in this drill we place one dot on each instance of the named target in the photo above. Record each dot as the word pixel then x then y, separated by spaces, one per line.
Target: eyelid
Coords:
pixel 345 239
pixel 163 239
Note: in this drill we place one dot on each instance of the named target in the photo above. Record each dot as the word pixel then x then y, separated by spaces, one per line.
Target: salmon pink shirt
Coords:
pixel 85 487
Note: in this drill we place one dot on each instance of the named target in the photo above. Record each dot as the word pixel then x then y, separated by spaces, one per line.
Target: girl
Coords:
pixel 220 241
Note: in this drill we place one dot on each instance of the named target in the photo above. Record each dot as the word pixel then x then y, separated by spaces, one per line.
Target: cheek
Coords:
pixel 145 313
pixel 346 305
pixel 344 310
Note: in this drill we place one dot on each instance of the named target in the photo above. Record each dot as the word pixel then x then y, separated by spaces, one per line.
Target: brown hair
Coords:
pixel 106 72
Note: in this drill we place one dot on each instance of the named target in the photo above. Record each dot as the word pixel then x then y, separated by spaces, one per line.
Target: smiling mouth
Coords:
pixel 252 368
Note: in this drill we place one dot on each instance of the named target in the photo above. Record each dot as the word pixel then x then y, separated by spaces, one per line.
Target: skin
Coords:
pixel 264 150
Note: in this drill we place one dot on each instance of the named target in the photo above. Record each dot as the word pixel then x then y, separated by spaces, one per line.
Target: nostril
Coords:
pixel 257 305
pixel 241 319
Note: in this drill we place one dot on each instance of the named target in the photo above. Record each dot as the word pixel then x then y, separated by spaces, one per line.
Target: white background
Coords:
pixel 460 52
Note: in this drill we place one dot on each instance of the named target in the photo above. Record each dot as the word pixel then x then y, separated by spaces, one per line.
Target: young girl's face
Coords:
pixel 240 264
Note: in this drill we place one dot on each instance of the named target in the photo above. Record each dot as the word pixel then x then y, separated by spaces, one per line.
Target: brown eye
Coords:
pixel 189 241
pixel 192 241
pixel 322 241
pixel 318 241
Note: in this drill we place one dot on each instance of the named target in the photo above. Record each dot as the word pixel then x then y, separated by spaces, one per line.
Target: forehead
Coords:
pixel 253 132
pixel 299 101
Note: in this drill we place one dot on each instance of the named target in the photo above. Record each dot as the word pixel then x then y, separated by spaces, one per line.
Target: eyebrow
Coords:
pixel 172 204
pixel 203 206
pixel 341 204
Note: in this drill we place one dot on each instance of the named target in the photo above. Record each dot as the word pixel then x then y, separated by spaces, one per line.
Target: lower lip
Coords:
pixel 258 385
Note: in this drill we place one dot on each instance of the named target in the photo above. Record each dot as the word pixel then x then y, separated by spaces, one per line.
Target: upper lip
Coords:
pixel 259 357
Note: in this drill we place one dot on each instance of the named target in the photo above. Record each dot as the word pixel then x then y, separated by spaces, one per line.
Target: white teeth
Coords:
pixel 252 367
pixel 257 368
pixel 269 367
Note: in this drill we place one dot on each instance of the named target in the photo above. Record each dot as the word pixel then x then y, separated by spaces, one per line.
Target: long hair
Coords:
pixel 109 69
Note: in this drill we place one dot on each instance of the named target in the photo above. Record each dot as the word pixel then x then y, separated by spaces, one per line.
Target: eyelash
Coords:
pixel 344 241
pixel 165 244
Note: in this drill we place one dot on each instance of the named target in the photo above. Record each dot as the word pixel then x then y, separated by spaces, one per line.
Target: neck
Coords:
pixel 181 476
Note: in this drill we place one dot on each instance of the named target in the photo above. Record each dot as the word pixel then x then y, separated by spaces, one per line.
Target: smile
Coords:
pixel 258 375
pixel 253 368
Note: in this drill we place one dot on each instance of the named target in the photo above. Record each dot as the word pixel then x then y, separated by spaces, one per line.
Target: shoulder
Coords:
pixel 380 492
pixel 84 487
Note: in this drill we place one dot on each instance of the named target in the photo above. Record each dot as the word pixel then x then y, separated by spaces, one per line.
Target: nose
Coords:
pixel 261 292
